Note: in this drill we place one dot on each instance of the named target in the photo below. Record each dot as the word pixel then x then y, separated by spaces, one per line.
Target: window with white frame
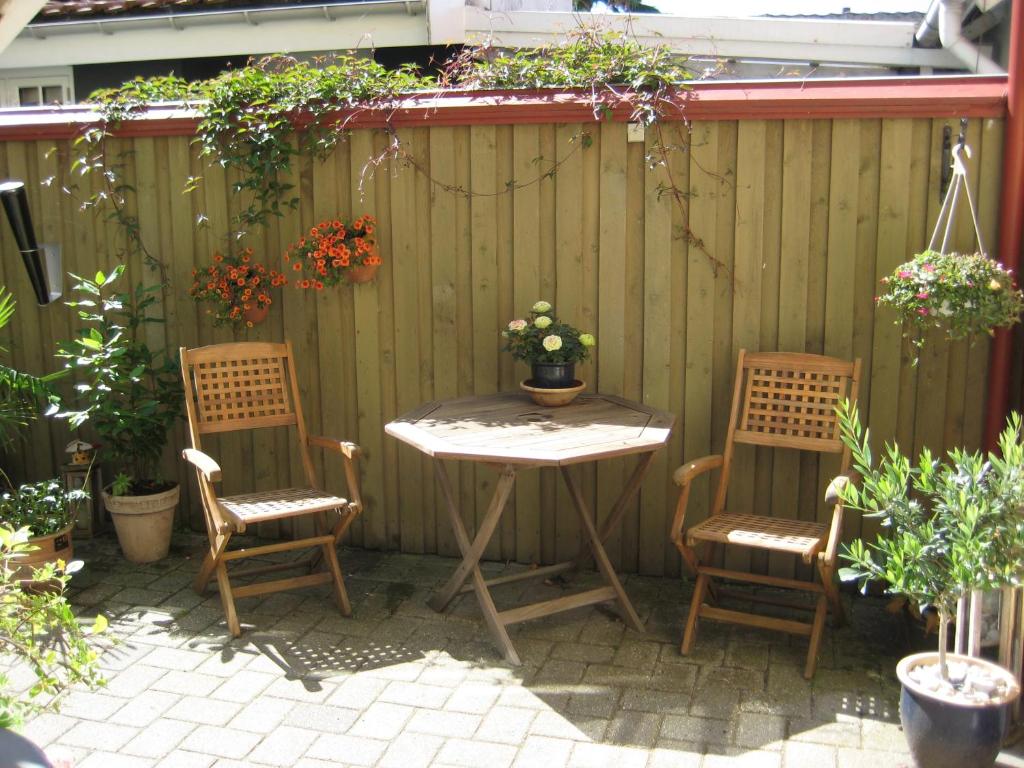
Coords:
pixel 39 88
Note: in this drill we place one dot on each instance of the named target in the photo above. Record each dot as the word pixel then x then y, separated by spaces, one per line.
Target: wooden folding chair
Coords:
pixel 252 385
pixel 781 400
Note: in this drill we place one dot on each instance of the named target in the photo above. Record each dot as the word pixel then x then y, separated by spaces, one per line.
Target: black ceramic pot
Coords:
pixel 553 375
pixel 946 734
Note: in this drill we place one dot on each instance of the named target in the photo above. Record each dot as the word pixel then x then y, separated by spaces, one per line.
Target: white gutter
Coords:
pixel 228 32
pixel 879 43
pixel 942 25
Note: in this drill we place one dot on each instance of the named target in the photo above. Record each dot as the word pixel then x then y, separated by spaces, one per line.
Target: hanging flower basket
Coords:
pixel 335 251
pixel 238 287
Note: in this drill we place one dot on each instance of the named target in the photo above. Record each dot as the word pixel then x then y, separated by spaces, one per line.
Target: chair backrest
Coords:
pixel 788 400
pixel 245 385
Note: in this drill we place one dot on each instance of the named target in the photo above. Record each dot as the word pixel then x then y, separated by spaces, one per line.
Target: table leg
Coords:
pixel 600 556
pixel 471 553
pixel 621 503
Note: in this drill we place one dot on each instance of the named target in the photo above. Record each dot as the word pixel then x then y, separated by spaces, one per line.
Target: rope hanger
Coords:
pixel 961 153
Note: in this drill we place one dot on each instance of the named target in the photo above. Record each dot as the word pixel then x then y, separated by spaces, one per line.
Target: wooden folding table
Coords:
pixel 508 431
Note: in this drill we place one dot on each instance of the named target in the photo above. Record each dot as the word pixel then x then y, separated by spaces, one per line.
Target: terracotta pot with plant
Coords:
pixel 950 527
pixel 334 251
pixel 238 288
pixel 552 348
pixel 47 509
pixel 131 396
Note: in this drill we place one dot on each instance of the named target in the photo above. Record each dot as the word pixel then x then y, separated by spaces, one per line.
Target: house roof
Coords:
pixel 65 10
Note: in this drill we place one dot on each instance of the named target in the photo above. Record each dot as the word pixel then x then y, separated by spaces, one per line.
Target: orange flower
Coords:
pixel 319 285
pixel 314 231
pixel 336 224
pixel 297 266
pixel 240 281
pixel 218 257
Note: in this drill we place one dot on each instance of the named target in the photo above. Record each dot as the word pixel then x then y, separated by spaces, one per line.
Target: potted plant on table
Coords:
pixel 552 348
pixel 238 287
pixel 47 509
pixel 333 251
pixel 952 527
pixel 131 396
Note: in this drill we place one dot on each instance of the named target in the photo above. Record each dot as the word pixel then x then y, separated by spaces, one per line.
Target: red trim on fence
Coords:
pixel 926 97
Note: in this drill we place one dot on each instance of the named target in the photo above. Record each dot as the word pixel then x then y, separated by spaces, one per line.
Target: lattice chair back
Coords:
pixel 789 400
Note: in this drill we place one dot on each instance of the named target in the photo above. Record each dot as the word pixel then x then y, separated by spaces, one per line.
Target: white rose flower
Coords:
pixel 552 343
pixel 542 322
pixel 542 306
pixel 517 325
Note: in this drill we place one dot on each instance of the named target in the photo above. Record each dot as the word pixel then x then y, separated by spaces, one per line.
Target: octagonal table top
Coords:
pixel 509 428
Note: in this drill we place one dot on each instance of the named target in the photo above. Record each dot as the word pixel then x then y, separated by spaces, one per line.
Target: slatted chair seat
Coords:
pixel 786 401
pixel 801 537
pixel 247 386
pixel 251 508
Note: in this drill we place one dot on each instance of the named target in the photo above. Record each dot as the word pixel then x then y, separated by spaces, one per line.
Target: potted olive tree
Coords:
pixel 131 396
pixel 951 527
pixel 47 509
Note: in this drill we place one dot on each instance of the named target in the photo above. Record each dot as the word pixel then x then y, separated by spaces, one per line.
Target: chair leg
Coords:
pixel 228 600
pixel 816 630
pixel 690 634
pixel 340 594
pixel 205 572
pixel 832 593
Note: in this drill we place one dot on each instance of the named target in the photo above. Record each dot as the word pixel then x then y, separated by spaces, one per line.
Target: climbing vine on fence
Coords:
pixel 258 119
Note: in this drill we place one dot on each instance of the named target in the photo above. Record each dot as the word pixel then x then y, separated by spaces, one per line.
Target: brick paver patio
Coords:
pixel 399 685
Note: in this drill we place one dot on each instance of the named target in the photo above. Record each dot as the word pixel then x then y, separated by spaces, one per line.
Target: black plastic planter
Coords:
pixel 947 734
pixel 553 375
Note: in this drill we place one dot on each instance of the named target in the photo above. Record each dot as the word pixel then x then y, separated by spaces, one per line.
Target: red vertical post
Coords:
pixel 1011 225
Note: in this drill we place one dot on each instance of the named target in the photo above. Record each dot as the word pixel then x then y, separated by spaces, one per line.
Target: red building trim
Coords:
pixel 924 97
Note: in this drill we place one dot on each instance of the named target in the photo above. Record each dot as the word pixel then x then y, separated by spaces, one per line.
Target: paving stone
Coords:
pixel 145 708
pixel 870 758
pixel 86 705
pixel 174 658
pixel 798 755
pixel 586 755
pixel 747 655
pixel 577 728
pixel 354 750
pixel 638 729
pixel 357 692
pixel 262 715
pixel 415 695
pixel 158 739
pixel 588 653
pixel 310 689
pixel 321 717
pixel 283 746
pixel 46 727
pixel 676 754
pixel 703 730
pixel 186 683
pixel 195 709
pixel 759 731
pixel 558 672
pixel 506 725
pixel 674 677
pixel 637 656
pixel 737 758
pixel 846 734
pixel 474 697
pixel 221 742
pixel 242 687
pixel 92 735
pixel 646 700
pixel 382 721
pixel 182 759
pixel 544 751
pixel 113 760
pixel 594 700
pixel 443 723
pixel 134 680
pixel 624 677
pixel 476 754
pixel 411 750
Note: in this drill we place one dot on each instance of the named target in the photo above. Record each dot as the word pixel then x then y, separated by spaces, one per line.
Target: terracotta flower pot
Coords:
pixel 256 314
pixel 361 273
pixel 51 548
pixel 143 523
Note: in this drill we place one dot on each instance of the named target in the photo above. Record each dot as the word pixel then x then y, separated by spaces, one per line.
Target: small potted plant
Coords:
pixel 951 527
pixel 962 294
pixel 47 509
pixel 333 251
pixel 238 287
pixel 552 348
pixel 131 396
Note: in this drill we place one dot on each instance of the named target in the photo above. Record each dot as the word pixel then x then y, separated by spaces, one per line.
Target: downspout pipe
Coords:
pixel 1011 226
pixel 942 25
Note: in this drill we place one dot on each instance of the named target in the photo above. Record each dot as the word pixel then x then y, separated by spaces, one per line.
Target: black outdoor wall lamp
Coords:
pixel 42 260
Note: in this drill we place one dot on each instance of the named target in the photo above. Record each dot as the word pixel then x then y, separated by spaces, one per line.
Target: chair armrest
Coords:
pixel 693 469
pixel 205 464
pixel 832 496
pixel 350 450
pixel 836 487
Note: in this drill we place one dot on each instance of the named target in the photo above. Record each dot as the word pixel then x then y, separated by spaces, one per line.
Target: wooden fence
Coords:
pixel 777 241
